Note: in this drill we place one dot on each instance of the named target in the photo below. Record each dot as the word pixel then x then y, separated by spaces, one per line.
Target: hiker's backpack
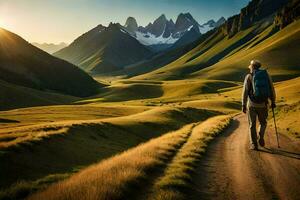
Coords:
pixel 261 88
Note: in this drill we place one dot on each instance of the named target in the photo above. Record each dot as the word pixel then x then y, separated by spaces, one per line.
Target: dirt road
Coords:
pixel 231 171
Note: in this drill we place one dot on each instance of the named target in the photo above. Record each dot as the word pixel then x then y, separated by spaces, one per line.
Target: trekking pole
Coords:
pixel 275 128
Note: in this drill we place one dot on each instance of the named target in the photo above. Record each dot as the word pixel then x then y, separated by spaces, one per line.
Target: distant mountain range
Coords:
pixel 108 49
pixel 184 44
pixel 104 49
pixel 165 32
pixel 50 47
pixel 26 65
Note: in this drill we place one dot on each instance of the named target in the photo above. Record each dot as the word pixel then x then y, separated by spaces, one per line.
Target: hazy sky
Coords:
pixel 64 20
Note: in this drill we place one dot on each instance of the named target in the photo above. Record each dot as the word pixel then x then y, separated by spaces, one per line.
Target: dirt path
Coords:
pixel 231 171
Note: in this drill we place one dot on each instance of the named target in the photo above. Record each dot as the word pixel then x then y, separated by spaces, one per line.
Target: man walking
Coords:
pixel 258 89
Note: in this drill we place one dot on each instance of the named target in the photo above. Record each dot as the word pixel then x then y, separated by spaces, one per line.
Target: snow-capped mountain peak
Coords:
pixel 165 31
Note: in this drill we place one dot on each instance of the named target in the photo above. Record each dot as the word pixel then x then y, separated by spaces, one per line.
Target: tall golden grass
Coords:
pixel 115 177
pixel 124 176
pixel 179 173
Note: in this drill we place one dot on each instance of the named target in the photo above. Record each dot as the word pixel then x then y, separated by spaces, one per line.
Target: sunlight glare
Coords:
pixel 2 23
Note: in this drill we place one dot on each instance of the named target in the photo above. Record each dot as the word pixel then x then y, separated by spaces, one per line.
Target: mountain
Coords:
pixel 255 11
pixel 193 34
pixel 131 25
pixel 157 33
pixel 105 49
pixel 26 65
pixel 163 33
pixel 265 30
pixel 184 22
pixel 50 47
pixel 288 14
pixel 221 21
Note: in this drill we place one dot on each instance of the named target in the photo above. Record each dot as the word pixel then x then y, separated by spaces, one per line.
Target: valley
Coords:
pixel 147 112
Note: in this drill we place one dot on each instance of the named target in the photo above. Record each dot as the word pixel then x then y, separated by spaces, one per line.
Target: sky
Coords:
pixel 55 21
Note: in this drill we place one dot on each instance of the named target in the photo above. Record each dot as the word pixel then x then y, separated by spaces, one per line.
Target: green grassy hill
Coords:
pixel 158 92
pixel 26 65
pixel 14 96
pixel 224 53
pixel 76 139
pixel 278 53
pixel 145 132
pixel 224 58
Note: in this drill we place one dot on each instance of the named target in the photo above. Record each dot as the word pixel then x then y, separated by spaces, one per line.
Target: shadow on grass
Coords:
pixel 2 120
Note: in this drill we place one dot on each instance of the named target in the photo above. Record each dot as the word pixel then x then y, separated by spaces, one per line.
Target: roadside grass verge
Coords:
pixel 83 143
pixel 287 120
pixel 178 175
pixel 23 188
pixel 127 174
pixel 119 177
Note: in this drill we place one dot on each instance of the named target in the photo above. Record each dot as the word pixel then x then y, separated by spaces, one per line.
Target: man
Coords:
pixel 256 109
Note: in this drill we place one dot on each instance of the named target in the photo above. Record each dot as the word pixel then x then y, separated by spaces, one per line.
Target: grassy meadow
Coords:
pixel 131 172
pixel 98 131
pixel 141 137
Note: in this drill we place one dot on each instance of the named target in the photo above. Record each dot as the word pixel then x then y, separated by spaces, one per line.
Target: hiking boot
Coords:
pixel 254 147
pixel 261 142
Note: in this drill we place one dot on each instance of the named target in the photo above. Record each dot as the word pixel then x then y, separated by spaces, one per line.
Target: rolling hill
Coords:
pixel 226 51
pixel 15 96
pixel 25 65
pixel 146 135
pixel 104 49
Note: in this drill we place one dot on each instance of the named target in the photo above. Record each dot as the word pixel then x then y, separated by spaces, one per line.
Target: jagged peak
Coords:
pixel 162 16
pixel 187 15
pixel 113 26
pixel 211 21
pixel 221 19
pixel 131 21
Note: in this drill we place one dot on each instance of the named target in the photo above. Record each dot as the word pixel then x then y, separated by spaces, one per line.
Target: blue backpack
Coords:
pixel 260 86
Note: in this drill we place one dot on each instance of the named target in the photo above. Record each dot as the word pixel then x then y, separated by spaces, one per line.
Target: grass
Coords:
pixel 179 174
pixel 277 52
pixel 119 177
pixel 287 111
pixel 13 96
pixel 24 188
pixel 94 134
pixel 114 177
pixel 82 130
pixel 223 58
pixel 141 92
pixel 65 113
pixel 82 142
pixel 287 119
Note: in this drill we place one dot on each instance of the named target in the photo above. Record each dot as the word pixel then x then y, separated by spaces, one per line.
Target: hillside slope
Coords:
pixel 279 54
pixel 160 59
pixel 23 64
pixel 104 49
pixel 228 50
pixel 15 96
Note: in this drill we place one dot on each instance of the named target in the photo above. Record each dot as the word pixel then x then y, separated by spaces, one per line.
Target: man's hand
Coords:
pixel 273 105
pixel 244 109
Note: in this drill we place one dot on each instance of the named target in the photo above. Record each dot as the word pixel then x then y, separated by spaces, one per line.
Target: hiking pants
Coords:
pixel 253 113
